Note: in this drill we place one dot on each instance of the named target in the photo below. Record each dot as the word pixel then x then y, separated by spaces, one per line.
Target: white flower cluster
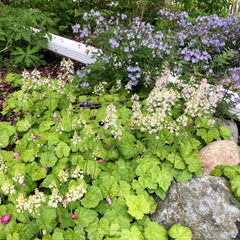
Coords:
pixel 63 176
pixel 75 193
pixel 34 81
pixel 67 67
pixel 77 173
pixel 159 105
pixel 201 100
pixel 3 168
pixel 7 188
pixel 163 80
pixel 32 204
pixel 78 122
pixel 99 89
pixel 60 128
pixel 18 177
pixel 55 197
pixel 119 85
pixel 110 122
pixel 76 139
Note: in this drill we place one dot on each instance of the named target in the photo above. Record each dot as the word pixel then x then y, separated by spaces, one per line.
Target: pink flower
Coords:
pixel 54 115
pixel 64 202
pixel 109 200
pixel 100 161
pixel 58 121
pixel 68 169
pixel 23 184
pixel 37 137
pixel 46 168
pixel 16 155
pixel 5 218
pixel 183 109
pixel 189 124
pixel 74 216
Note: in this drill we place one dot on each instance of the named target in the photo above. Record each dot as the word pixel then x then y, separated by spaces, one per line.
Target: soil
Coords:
pixel 52 67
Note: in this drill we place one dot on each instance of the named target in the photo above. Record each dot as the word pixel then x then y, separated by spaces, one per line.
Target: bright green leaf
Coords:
pixel 179 232
pixel 154 231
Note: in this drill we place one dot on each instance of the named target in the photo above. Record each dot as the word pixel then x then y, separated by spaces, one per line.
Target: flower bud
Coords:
pixel 5 218
pixel 74 216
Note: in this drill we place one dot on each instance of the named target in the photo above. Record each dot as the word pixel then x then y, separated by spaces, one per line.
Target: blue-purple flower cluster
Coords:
pixel 137 50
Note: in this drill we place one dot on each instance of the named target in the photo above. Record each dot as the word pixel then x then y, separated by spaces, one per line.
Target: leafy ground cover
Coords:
pixel 83 149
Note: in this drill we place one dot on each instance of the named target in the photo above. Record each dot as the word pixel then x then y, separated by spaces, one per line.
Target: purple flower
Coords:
pixel 84 84
pixel 123 16
pixel 5 218
pixel 236 100
pixel 84 33
pixel 81 74
pixel 105 59
pixel 236 84
pixel 85 16
pixel 114 43
pixel 75 28
pixel 235 76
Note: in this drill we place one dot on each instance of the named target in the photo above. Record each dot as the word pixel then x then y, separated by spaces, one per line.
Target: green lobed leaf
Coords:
pixel 44 126
pixel 39 174
pixel 76 234
pixel 177 161
pixel 98 229
pixel 48 159
pixel 92 197
pixel 154 231
pixel 179 232
pixel 132 234
pixel 164 179
pixel 62 150
pixel 28 155
pixel 86 216
pixel 137 206
pixel 235 185
pixel 225 132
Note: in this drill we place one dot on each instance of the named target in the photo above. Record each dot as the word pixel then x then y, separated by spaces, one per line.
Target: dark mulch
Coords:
pixel 52 67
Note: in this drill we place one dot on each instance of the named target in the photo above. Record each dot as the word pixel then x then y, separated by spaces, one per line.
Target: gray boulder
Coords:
pixel 206 205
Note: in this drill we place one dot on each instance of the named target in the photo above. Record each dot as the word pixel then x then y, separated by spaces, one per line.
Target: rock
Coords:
pixel 206 205
pixel 222 152
pixel 233 128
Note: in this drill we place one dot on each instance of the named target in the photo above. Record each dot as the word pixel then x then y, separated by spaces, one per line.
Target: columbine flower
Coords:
pixel 64 202
pixel 5 218
pixel 74 216
pixel 16 155
pixel 55 115
pixel 109 200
